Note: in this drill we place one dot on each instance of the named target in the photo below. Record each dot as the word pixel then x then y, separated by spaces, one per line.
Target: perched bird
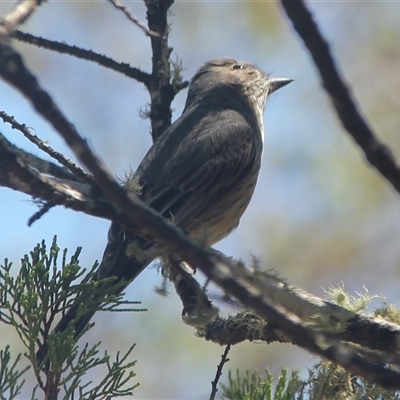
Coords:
pixel 201 172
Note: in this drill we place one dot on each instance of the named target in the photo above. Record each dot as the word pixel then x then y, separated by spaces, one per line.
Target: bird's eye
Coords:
pixel 237 66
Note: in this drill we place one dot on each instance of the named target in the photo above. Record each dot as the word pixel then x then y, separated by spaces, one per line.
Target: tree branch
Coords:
pixel 371 333
pixel 218 374
pixel 340 323
pixel 43 166
pixel 17 16
pixel 75 170
pixel 83 54
pixel 161 91
pixel 117 4
pixel 377 153
pixel 16 174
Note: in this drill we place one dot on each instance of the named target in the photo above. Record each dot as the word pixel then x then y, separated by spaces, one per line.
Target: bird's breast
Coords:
pixel 225 215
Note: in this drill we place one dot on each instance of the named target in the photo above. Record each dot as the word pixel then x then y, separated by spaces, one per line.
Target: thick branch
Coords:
pixel 337 321
pixel 377 154
pixel 241 327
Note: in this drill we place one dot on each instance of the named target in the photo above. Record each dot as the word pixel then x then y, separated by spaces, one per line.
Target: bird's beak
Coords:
pixel 277 83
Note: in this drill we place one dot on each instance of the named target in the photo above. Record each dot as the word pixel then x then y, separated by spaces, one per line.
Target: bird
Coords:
pixel 200 173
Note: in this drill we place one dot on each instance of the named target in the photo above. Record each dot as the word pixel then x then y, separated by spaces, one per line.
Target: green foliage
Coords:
pixel 253 387
pixel 10 377
pixel 326 381
pixel 176 73
pixel 361 303
pixel 31 301
pixel 129 181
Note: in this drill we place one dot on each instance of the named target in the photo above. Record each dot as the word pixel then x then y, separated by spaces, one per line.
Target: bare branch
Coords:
pixel 214 383
pixel 377 153
pixel 78 172
pixel 375 335
pixel 239 282
pixel 83 54
pixel 16 174
pixel 43 166
pixel 336 321
pixel 117 4
pixel 17 16
pixel 161 91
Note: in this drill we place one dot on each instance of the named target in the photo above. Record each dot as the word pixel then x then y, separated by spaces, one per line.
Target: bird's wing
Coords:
pixel 192 167
pixel 188 170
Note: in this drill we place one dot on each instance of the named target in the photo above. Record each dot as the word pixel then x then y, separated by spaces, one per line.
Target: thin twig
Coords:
pixel 83 54
pixel 214 383
pixel 43 166
pixel 79 172
pixel 117 4
pixel 17 16
pixel 16 174
pixel 43 210
pixel 377 153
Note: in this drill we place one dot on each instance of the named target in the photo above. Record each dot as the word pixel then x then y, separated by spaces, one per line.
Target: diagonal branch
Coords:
pixel 252 290
pixel 44 208
pixel 377 153
pixel 334 320
pixel 83 54
pixel 75 170
pixel 17 175
pixel 43 166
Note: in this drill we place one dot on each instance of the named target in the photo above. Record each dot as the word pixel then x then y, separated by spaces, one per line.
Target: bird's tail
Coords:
pixel 80 324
